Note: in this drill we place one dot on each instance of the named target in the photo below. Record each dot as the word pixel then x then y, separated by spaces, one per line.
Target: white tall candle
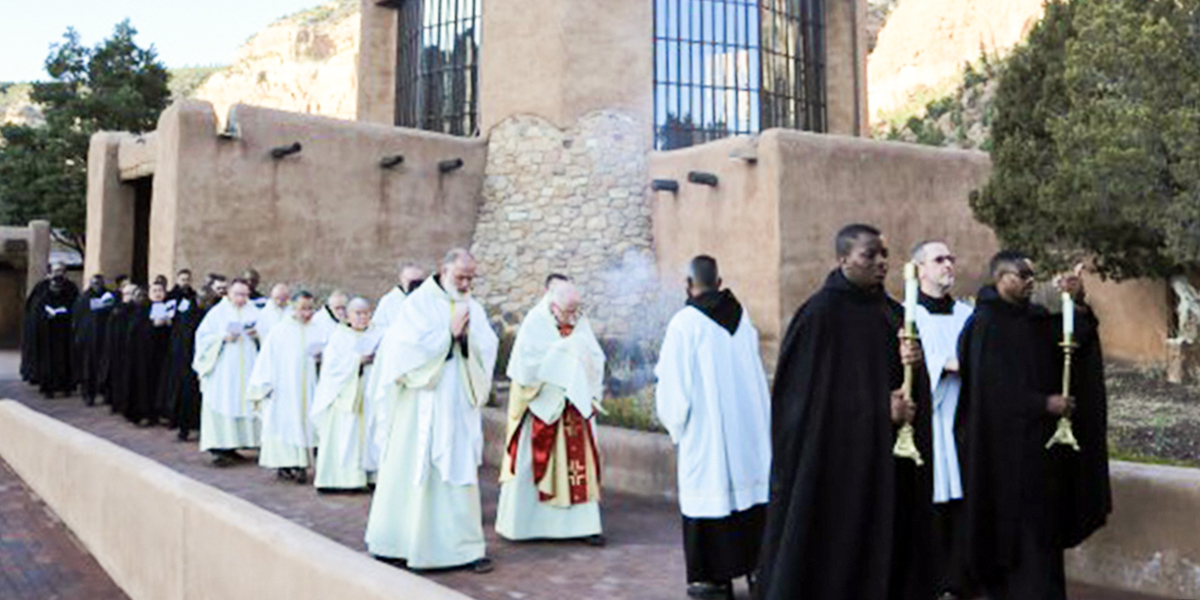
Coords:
pixel 910 292
pixel 1068 309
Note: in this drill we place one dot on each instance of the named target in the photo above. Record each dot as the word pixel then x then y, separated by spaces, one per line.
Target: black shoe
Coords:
pixel 483 565
pixel 222 460
pixel 182 435
pixel 595 541
pixel 285 474
pixel 395 562
pixel 300 476
pixel 708 590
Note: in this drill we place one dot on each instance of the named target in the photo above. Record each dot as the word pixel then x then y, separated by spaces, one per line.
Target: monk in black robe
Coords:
pixel 54 336
pixel 848 520
pixel 1024 502
pixel 91 335
pixel 29 329
pixel 117 370
pixel 182 405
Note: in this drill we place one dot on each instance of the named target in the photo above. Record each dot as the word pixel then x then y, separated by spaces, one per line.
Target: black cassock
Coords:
pixel 54 337
pixel 146 352
pixel 847 520
pixel 91 338
pixel 29 332
pixel 1025 503
pixel 117 370
pixel 180 386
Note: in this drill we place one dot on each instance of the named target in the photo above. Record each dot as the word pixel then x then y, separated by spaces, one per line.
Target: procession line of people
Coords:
pixel 794 485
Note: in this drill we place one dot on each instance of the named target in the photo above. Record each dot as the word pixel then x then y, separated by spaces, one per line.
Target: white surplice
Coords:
pixel 388 307
pixel 563 370
pixel 713 400
pixel 338 414
pixel 227 419
pixel 269 315
pixel 283 382
pixel 428 393
pixel 939 339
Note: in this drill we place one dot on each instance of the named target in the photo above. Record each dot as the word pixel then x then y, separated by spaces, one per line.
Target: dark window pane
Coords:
pixel 437 71
pixel 730 67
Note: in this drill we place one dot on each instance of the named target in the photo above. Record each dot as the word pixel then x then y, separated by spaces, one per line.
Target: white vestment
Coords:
pixel 939 339
pixel 227 419
pixel 337 412
pixel 428 392
pixel 562 370
pixel 388 307
pixel 325 319
pixel 269 315
pixel 283 382
pixel 713 400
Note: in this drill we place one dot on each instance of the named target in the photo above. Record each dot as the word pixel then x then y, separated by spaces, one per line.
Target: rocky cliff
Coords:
pixel 303 63
pixel 922 48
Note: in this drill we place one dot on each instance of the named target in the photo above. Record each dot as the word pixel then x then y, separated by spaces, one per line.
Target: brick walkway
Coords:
pixel 39 558
pixel 643 559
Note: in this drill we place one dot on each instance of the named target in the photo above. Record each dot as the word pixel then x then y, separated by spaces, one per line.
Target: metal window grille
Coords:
pixel 437 65
pixel 729 67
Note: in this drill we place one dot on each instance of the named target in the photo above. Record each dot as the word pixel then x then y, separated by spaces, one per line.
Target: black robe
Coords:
pixel 55 339
pixel 719 550
pixel 29 329
pixel 846 520
pixel 147 349
pixel 1025 503
pixel 180 386
pixel 117 370
pixel 91 339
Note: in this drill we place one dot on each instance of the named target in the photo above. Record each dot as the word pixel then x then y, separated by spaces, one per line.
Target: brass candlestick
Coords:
pixel 1064 434
pixel 906 443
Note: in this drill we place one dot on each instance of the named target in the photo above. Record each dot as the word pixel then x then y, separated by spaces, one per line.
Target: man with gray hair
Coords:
pixel 550 479
pixel 940 319
pixel 433 374
pixel 275 308
pixel 409 277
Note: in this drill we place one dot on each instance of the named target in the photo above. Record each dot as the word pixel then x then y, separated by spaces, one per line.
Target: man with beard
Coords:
pixel 91 335
pixel 434 373
pixel 54 338
pixel 1026 500
pixel 183 287
pixel 847 519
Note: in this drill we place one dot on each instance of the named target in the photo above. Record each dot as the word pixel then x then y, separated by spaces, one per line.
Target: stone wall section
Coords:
pixel 574 201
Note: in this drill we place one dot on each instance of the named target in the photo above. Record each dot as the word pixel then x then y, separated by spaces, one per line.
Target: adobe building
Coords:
pixel 610 141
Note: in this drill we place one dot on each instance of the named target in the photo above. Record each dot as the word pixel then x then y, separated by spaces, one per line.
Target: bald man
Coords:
pixel 275 309
pixel 409 277
pixel 433 375
pixel 550 480
pixel 333 313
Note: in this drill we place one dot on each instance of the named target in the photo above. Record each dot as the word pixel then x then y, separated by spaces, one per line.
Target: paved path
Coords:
pixel 39 558
pixel 643 560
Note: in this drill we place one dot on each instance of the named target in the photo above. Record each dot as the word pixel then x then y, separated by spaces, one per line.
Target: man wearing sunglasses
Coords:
pixel 1026 501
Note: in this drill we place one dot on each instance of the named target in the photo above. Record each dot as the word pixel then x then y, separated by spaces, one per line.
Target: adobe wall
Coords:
pixel 109 209
pixel 329 215
pixel 735 222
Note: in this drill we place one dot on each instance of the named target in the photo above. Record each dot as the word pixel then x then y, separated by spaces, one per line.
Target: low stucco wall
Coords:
pixel 1152 541
pixel 163 536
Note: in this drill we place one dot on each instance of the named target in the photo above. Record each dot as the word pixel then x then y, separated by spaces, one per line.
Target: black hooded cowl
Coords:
pixel 1011 363
pixel 847 520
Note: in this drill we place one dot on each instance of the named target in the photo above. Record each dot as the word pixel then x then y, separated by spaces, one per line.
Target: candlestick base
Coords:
pixel 906 445
pixel 1064 435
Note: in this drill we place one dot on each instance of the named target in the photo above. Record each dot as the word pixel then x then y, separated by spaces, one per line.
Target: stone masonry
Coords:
pixel 574 202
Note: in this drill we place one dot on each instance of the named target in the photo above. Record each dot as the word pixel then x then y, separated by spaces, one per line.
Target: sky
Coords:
pixel 185 33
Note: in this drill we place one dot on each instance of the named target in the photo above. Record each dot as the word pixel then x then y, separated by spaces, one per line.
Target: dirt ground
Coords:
pixel 1151 420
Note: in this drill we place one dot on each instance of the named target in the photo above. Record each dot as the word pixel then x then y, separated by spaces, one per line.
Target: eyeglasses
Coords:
pixel 946 259
pixel 1023 273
